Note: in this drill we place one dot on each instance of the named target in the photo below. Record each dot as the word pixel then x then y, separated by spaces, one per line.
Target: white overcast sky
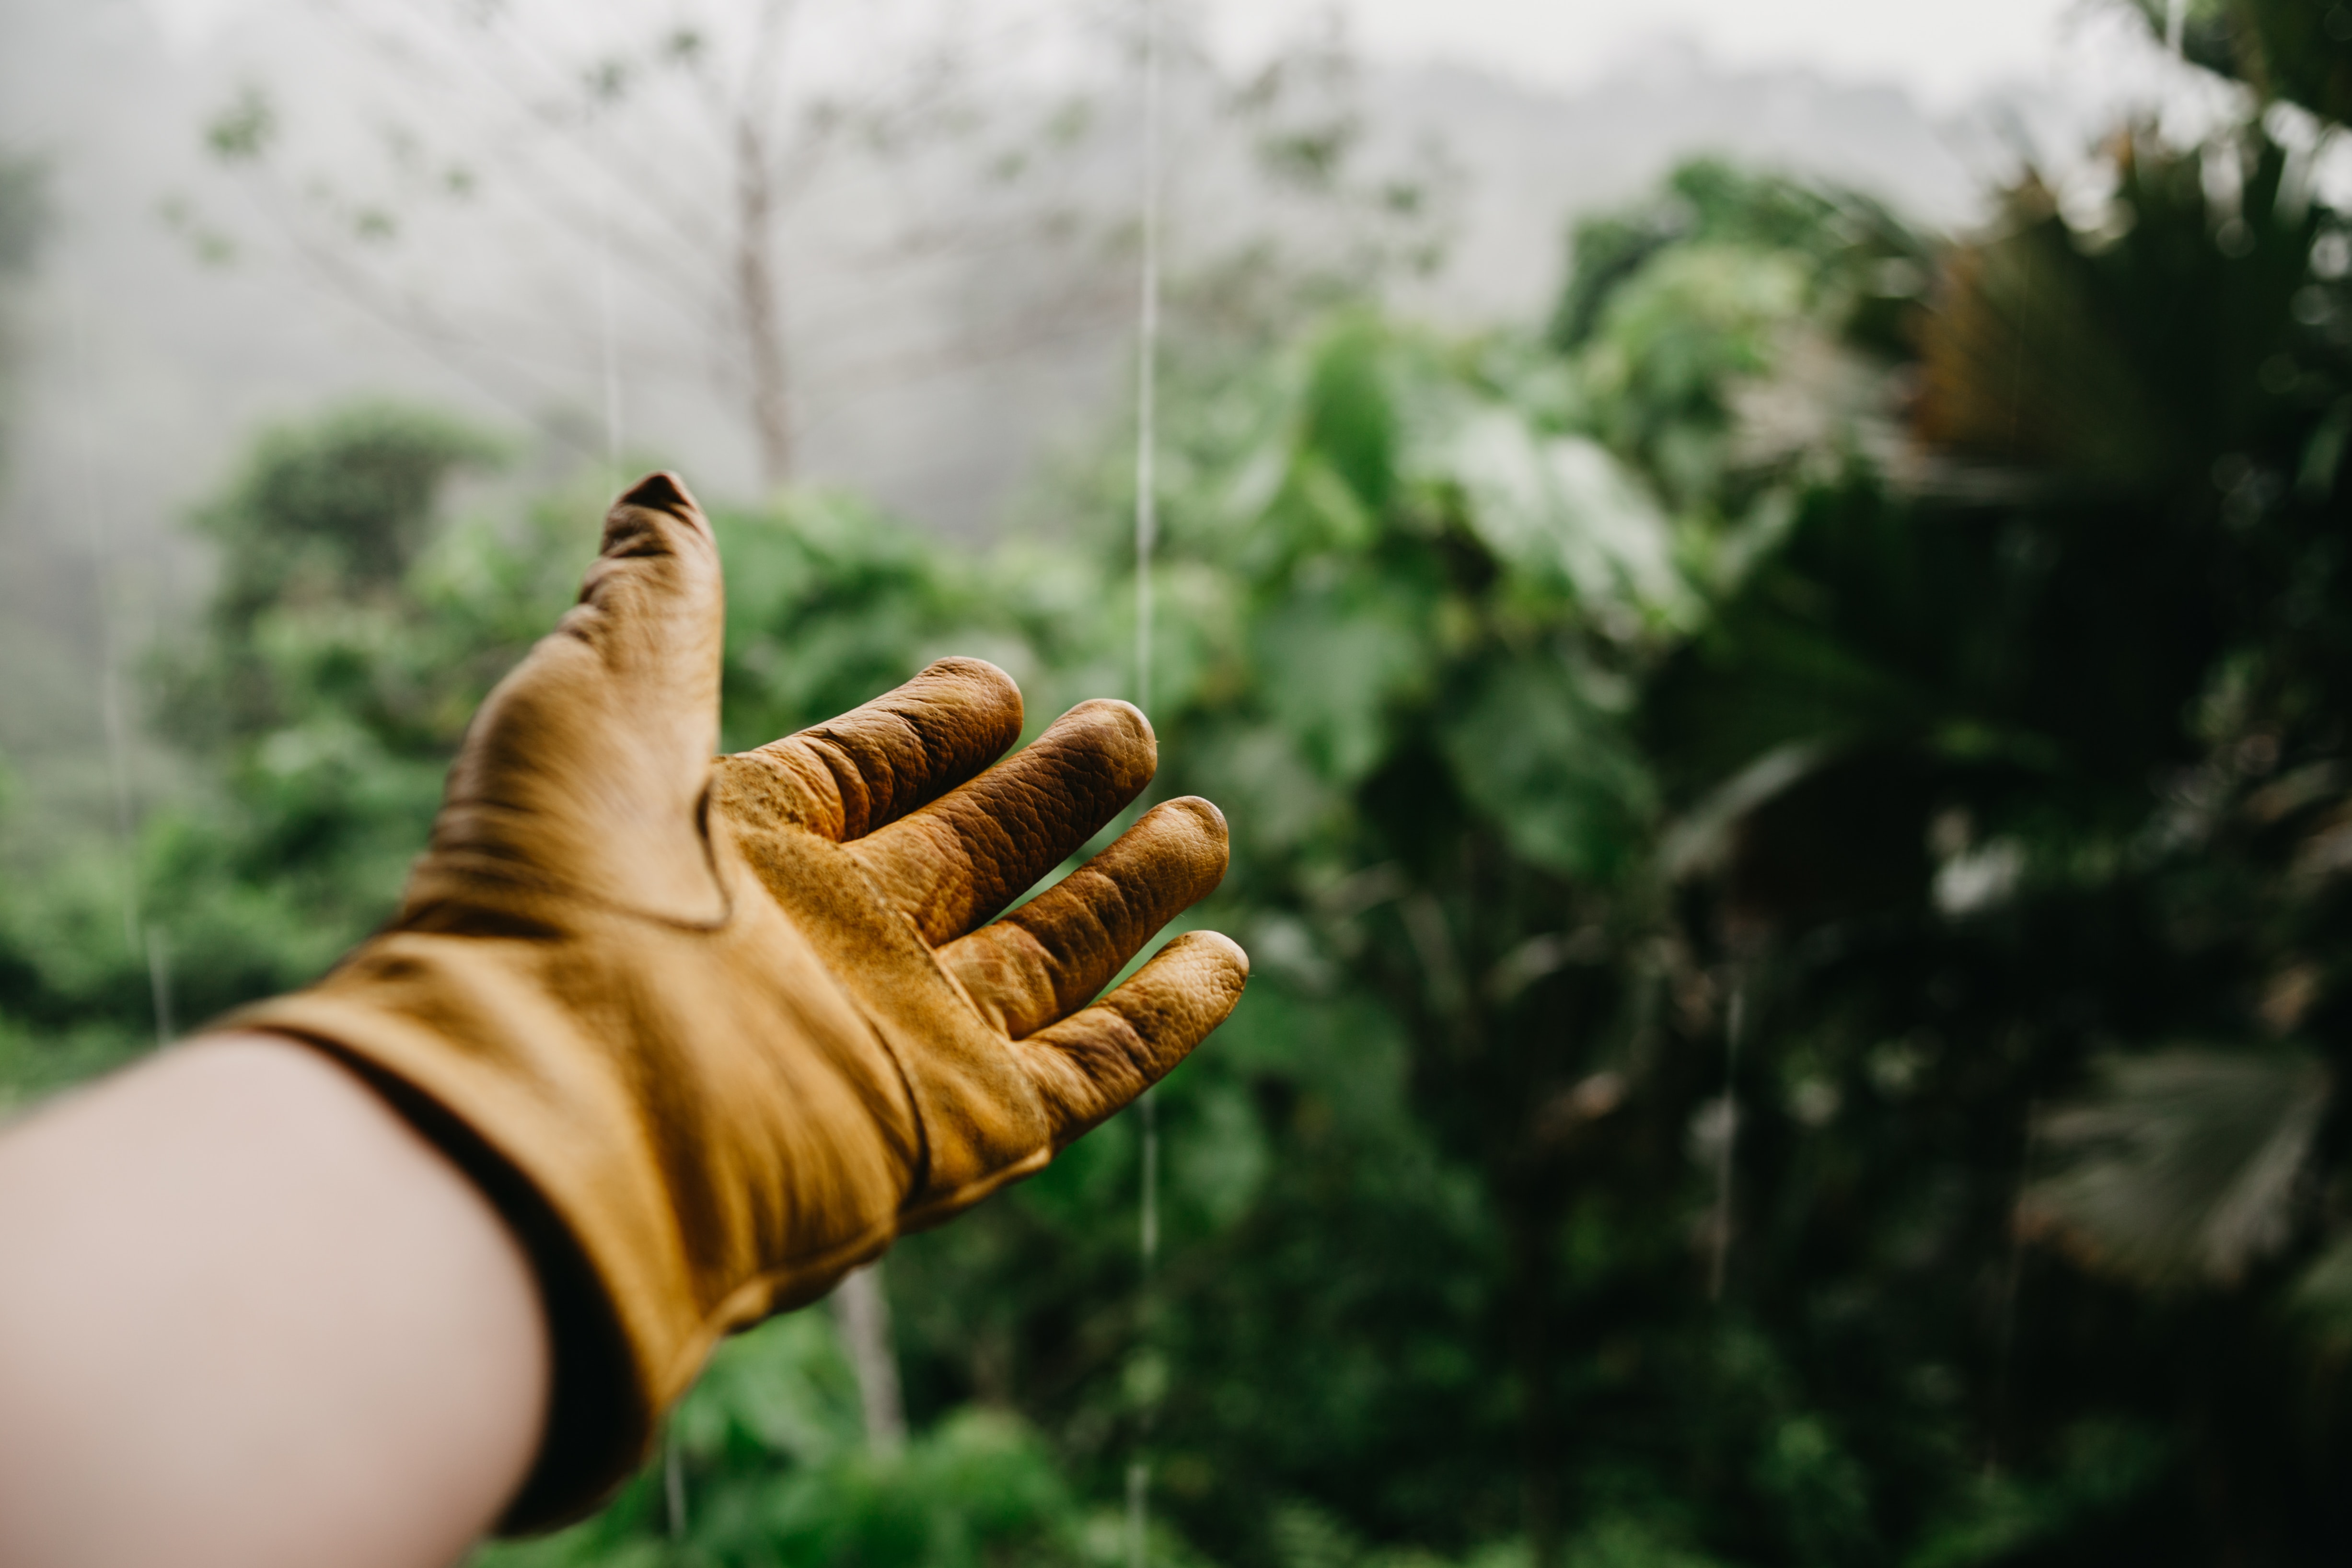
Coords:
pixel 1944 52
pixel 1941 50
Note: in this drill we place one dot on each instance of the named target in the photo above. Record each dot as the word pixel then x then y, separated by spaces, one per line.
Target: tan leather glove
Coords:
pixel 715 1032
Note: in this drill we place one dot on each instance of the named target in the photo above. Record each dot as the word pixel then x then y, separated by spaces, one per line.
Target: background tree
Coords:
pixel 663 179
pixel 801 204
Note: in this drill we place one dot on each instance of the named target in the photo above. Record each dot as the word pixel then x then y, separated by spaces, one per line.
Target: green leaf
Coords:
pixel 1350 418
pixel 1562 511
pixel 1533 750
pixel 1332 664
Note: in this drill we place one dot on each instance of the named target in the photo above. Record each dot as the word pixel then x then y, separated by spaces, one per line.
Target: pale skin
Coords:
pixel 249 1318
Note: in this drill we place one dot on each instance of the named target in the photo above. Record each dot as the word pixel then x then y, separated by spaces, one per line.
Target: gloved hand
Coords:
pixel 713 1033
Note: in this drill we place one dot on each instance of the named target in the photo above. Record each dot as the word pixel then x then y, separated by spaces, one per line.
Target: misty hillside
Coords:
pixel 145 364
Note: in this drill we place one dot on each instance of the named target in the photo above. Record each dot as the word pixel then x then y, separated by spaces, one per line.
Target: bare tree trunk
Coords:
pixel 757 301
pixel 862 1310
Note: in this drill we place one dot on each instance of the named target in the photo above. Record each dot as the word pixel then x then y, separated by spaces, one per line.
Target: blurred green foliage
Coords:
pixel 774 1438
pixel 1793 831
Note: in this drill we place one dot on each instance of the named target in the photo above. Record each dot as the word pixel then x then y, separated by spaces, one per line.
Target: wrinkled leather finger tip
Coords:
pixel 1115 730
pixel 976 673
pixel 663 491
pixel 1184 850
pixel 1113 714
pixel 1216 945
pixel 1202 811
pixel 976 688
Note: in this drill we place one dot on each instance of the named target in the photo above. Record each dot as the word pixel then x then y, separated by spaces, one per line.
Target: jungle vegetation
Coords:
pixel 1795 821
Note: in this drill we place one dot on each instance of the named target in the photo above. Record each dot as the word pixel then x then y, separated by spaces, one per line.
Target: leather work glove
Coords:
pixel 714 1033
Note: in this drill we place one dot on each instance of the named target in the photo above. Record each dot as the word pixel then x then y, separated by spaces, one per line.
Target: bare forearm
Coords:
pixel 248 1317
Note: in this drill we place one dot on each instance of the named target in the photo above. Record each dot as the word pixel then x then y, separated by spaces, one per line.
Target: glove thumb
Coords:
pixel 584 769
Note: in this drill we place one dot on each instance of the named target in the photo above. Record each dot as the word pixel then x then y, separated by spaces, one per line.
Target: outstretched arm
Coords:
pixel 249 1318
pixel 657 1046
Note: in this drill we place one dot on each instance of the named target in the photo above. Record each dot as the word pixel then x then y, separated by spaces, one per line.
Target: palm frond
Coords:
pixel 2182 1166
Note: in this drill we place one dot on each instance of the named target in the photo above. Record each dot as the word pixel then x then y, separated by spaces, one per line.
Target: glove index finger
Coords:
pixel 850 776
pixel 955 863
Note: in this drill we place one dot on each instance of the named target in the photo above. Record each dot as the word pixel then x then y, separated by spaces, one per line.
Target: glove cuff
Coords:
pixel 469 1047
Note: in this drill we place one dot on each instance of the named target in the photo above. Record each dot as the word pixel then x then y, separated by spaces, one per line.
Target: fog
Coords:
pixel 414 228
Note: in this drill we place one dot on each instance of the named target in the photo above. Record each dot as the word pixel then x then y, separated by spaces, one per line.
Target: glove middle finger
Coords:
pixel 1049 957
